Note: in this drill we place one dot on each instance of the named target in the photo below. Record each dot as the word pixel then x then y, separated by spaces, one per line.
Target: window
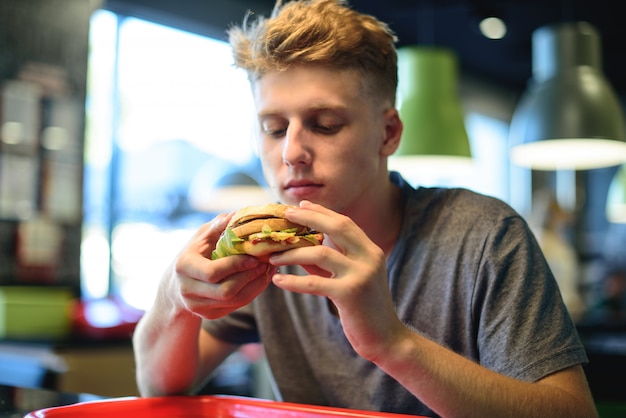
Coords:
pixel 489 143
pixel 167 115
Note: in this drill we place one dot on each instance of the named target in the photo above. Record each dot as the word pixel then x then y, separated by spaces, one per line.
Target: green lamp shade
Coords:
pixel 434 135
pixel 569 117
pixel 429 105
pixel 616 198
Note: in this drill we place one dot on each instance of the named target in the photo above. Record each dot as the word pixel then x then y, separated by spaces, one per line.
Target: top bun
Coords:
pixel 275 210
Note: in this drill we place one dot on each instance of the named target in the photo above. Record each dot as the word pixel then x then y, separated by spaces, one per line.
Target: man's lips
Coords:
pixel 302 188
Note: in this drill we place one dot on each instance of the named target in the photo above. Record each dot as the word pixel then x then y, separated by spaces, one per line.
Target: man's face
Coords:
pixel 320 138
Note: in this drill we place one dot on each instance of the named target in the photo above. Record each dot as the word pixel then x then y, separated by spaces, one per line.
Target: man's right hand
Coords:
pixel 214 288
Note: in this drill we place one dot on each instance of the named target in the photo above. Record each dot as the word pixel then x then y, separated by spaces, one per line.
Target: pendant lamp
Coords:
pixel 616 198
pixel 434 140
pixel 569 118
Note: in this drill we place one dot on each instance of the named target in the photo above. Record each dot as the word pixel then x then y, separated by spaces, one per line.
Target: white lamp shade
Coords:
pixel 569 117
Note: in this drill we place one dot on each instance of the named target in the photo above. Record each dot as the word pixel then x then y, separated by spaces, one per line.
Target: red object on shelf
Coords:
pixel 104 319
pixel 209 406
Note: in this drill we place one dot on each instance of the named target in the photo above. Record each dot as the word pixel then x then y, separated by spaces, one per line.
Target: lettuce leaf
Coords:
pixel 226 245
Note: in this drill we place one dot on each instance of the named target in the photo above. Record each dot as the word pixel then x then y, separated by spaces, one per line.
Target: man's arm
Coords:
pixel 353 276
pixel 453 385
pixel 173 354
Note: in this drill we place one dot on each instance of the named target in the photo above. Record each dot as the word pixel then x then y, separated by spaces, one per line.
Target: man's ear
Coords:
pixel 393 131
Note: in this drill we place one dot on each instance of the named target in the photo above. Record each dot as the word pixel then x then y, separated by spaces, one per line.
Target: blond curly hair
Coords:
pixel 322 32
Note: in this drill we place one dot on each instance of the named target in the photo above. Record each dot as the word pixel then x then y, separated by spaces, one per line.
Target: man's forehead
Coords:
pixel 319 87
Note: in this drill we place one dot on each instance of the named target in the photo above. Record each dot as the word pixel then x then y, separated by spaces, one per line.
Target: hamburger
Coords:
pixel 261 231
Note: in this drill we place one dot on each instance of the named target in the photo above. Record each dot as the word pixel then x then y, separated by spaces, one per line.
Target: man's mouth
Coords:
pixel 300 183
pixel 301 188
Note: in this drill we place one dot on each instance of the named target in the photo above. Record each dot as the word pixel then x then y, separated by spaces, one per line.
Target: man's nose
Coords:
pixel 295 146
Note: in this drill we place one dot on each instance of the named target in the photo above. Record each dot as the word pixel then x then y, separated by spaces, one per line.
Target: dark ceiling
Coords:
pixel 449 23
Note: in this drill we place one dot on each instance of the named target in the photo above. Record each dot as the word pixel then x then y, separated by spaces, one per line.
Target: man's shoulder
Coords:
pixel 460 201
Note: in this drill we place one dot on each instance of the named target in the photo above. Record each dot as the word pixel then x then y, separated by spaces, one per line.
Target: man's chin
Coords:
pixel 315 194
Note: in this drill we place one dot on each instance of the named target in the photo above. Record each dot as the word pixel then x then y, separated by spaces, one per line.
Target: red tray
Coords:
pixel 208 406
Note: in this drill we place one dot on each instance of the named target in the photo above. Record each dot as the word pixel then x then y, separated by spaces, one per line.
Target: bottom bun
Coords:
pixel 265 248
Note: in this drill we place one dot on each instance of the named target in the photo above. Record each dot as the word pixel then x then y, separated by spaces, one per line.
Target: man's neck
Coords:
pixel 381 219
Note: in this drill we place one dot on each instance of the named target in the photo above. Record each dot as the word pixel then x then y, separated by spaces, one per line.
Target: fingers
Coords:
pixel 206 237
pixel 211 288
pixel 195 259
pixel 319 260
pixel 347 263
pixel 213 301
pixel 331 273
pixel 222 279
pixel 345 235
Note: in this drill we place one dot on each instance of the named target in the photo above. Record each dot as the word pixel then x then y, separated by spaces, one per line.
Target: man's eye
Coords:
pixel 273 130
pixel 327 129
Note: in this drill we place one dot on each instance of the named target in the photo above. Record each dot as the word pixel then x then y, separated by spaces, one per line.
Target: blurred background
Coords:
pixel 124 126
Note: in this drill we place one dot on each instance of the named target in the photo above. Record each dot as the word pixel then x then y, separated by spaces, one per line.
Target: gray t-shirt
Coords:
pixel 466 272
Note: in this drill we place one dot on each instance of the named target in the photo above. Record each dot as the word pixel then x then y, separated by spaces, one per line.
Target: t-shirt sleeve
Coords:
pixel 238 327
pixel 525 330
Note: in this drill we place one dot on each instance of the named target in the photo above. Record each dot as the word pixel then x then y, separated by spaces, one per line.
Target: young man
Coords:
pixel 431 301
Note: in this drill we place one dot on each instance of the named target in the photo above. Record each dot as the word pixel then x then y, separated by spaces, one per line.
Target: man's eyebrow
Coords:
pixel 267 114
pixel 315 107
pixel 328 107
